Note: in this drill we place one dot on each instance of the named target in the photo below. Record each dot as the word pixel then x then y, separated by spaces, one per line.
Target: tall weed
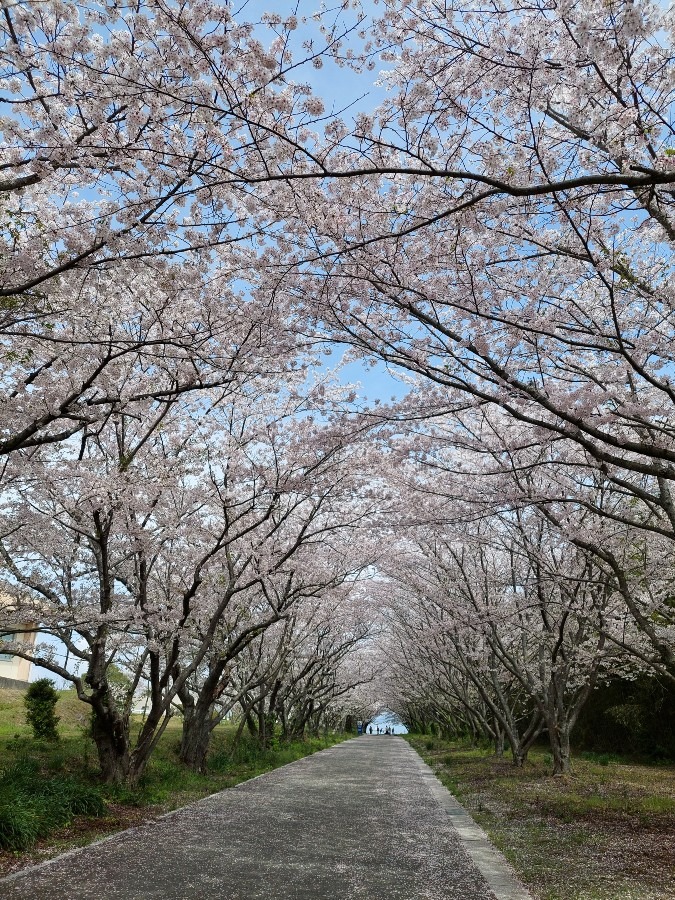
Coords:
pixel 32 806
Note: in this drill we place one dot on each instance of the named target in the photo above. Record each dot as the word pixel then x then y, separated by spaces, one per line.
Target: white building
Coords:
pixel 13 668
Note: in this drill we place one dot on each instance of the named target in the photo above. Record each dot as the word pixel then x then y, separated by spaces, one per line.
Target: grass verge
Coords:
pixel 603 833
pixel 51 799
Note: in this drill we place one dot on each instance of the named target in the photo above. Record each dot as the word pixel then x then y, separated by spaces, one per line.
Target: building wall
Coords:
pixel 13 684
pixel 12 666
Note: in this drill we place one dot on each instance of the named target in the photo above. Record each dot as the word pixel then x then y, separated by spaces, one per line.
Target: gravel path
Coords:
pixel 364 817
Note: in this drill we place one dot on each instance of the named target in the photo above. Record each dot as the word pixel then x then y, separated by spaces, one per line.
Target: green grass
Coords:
pixel 603 833
pixel 33 806
pixel 51 796
pixel 169 784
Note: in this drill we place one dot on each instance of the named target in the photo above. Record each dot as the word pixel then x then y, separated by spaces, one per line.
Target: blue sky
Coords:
pixel 340 88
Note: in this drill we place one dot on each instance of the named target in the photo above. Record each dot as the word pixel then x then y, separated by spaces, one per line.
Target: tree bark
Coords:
pixel 559 737
pixel 499 741
pixel 195 741
pixel 111 736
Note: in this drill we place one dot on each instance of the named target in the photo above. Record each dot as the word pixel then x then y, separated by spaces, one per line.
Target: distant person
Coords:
pixel 370 730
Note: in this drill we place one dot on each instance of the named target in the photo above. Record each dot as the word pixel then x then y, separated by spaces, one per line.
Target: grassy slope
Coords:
pixel 13 719
pixel 604 833
pixel 166 785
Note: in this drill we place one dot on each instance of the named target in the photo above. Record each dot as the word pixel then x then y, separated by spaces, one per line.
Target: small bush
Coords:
pixel 40 702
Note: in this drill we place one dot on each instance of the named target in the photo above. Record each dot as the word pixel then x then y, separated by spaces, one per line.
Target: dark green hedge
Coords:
pixel 633 717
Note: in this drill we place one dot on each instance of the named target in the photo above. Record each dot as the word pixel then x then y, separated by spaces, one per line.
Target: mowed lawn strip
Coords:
pixel 35 776
pixel 607 832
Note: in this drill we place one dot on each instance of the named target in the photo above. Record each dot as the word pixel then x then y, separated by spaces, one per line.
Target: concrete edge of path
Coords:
pixel 492 864
pixel 150 822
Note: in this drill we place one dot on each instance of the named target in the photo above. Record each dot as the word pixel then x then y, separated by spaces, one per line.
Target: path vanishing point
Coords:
pixel 364 818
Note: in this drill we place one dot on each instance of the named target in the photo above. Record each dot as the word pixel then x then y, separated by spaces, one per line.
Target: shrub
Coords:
pixel 19 824
pixel 633 716
pixel 40 703
pixel 32 806
pixel 221 761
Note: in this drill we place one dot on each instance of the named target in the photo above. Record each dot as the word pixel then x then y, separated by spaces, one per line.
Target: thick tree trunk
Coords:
pixel 270 729
pixel 559 737
pixel 198 716
pixel 499 741
pixel 109 724
pixel 519 755
pixel 196 735
pixel 194 745
pixel 521 743
pixel 250 724
pixel 281 710
pixel 266 725
pixel 110 732
pixel 240 730
pixel 111 736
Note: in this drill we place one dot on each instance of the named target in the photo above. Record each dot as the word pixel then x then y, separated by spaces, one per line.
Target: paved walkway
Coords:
pixel 365 817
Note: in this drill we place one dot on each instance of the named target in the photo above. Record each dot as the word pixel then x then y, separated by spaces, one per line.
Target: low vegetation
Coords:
pixel 40 701
pixel 603 832
pixel 52 798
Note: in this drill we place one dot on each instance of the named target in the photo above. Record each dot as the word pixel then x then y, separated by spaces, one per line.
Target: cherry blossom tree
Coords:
pixel 501 228
pixel 121 339
pixel 457 679
pixel 494 462
pixel 130 136
pixel 294 578
pixel 303 671
pixel 137 547
pixel 134 131
pixel 325 668
pixel 517 632
pixel 504 622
